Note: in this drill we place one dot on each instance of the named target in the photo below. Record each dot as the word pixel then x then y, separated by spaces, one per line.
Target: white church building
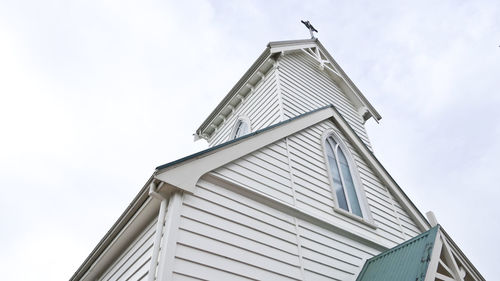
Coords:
pixel 289 189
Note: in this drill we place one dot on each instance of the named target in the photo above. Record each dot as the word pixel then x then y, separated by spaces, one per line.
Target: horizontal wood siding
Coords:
pixel 329 256
pixel 314 192
pixel 261 107
pixel 225 236
pixel 265 171
pixel 305 87
pixel 134 263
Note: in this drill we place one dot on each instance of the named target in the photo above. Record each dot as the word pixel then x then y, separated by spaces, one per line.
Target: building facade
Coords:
pixel 289 189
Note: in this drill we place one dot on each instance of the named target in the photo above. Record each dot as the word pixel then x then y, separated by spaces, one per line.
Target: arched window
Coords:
pixel 241 128
pixel 342 177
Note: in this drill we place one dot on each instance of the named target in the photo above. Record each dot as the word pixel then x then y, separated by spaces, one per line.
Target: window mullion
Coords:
pixel 342 177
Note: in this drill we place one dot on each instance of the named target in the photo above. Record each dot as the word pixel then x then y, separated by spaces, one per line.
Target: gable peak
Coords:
pixel 267 61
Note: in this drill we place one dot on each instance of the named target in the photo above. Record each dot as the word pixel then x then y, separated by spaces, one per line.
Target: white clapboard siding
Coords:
pixel 265 171
pixel 314 193
pixel 226 236
pixel 329 256
pixel 305 87
pixel 261 107
pixel 133 264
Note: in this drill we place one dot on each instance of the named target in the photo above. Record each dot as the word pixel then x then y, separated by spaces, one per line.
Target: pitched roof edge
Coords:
pixel 370 153
pixel 248 74
pixel 420 218
pixel 142 196
pixel 462 255
pixel 267 53
pixel 280 46
pixel 360 95
pixel 397 191
pixel 273 44
pixel 113 232
pixel 217 147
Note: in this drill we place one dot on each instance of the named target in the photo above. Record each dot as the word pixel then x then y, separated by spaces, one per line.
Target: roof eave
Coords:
pixel 114 231
pixel 280 46
pixel 399 193
pixel 143 195
pixel 271 49
pixel 243 80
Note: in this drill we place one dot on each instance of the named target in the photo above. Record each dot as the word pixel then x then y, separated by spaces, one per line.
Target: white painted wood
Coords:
pixel 262 208
pixel 432 218
pixel 446 268
pixel 293 86
pixel 434 262
pixel 185 175
pixel 449 258
pixel 133 263
pixel 442 277
pixel 170 235
pixel 277 48
pixel 222 230
pixel 138 215
pixel 261 107
pixel 227 236
pixel 305 87
pixel 380 172
pixel 279 90
pixel 314 189
pixel 265 170
pixel 300 250
pixel 158 234
pixel 315 50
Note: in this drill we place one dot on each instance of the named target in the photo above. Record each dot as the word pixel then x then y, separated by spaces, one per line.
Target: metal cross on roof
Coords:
pixel 310 27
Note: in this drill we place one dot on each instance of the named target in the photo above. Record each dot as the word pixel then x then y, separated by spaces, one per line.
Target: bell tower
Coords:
pixel 288 79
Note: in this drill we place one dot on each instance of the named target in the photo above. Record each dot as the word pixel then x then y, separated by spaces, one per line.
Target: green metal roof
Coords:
pixel 405 262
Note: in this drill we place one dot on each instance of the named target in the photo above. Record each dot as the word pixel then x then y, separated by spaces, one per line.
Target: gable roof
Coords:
pixel 214 148
pixel 406 262
pixel 264 62
pixel 185 172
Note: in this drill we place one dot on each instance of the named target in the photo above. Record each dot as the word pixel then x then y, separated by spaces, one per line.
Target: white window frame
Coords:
pixel 358 186
pixel 243 119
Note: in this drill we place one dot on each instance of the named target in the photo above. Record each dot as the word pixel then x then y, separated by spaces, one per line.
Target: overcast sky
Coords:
pixel 95 94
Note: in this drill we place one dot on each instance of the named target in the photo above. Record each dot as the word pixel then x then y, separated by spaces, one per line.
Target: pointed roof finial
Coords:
pixel 310 27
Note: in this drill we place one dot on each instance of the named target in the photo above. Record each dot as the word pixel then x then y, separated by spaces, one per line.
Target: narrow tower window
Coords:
pixel 340 171
pixel 241 128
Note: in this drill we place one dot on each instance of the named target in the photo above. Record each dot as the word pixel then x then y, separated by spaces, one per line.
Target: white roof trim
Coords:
pixel 186 174
pixel 380 171
pixel 337 74
pixel 273 48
